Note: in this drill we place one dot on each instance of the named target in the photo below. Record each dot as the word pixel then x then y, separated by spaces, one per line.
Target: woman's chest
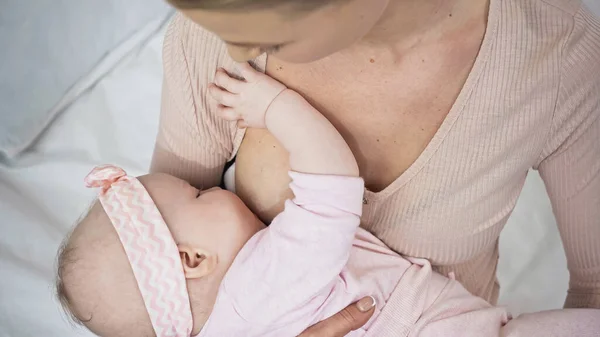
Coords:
pixel 444 150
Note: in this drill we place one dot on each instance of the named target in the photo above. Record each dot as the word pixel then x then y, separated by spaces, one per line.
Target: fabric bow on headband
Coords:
pixel 150 248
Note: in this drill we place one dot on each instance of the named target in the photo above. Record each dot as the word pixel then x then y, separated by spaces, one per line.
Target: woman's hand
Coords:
pixel 245 101
pixel 351 318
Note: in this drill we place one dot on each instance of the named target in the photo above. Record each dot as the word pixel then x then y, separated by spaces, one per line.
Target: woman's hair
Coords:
pixel 240 5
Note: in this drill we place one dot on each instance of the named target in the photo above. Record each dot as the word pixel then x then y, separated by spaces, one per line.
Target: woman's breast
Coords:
pixel 261 174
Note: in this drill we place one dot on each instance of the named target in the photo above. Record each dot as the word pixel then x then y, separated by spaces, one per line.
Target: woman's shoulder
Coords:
pixel 552 39
pixel 190 50
pixel 545 21
pixel 183 30
pixel 578 104
pixel 576 68
pixel 191 56
pixel 581 51
pixel 534 19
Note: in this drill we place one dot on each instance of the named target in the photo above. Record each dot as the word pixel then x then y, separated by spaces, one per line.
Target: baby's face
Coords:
pixel 214 220
pixel 210 227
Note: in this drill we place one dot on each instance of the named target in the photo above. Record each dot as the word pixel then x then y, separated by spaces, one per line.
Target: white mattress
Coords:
pixel 42 195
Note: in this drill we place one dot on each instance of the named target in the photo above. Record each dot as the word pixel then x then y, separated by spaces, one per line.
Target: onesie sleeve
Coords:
pixel 286 272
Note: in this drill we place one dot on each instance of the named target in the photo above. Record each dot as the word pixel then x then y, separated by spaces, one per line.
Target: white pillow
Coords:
pixel 48 49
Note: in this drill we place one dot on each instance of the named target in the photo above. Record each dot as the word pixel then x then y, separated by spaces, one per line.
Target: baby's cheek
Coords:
pixel 183 222
pixel 249 226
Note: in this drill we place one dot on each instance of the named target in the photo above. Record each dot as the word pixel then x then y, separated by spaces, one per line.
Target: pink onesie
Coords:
pixel 314 260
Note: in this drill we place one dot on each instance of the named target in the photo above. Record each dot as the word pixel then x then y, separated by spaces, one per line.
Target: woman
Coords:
pixel 445 104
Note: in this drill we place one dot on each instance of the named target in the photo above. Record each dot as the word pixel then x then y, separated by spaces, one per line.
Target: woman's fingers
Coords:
pixel 351 318
pixel 222 96
pixel 223 80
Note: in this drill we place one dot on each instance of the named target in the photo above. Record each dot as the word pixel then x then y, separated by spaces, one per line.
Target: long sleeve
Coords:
pixel 457 313
pixel 428 304
pixel 571 161
pixel 192 143
pixel 287 273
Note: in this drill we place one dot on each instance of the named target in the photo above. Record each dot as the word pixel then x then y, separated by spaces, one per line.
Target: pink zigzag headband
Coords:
pixel 150 248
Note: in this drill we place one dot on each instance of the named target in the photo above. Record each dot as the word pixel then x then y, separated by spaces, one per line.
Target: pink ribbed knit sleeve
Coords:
pixel 192 143
pixel 571 161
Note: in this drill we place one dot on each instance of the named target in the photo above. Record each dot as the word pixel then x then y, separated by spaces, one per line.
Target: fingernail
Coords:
pixel 366 304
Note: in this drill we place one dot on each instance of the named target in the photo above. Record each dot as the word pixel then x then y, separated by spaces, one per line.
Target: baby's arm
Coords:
pixel 314 145
pixel 288 275
pixel 285 274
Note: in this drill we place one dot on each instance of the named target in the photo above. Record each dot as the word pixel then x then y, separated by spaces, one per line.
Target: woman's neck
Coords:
pixel 410 22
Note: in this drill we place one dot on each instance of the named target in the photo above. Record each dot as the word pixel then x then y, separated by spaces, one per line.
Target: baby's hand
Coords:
pixel 245 101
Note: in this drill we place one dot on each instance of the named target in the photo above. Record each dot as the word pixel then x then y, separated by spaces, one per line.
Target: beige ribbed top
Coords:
pixel 532 100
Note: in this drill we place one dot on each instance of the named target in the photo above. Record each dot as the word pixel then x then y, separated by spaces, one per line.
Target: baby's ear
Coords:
pixel 197 262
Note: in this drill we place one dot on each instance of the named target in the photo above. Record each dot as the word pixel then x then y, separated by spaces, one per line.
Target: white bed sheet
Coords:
pixel 42 195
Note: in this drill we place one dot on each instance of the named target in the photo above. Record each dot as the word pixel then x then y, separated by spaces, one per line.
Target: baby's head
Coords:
pixel 96 283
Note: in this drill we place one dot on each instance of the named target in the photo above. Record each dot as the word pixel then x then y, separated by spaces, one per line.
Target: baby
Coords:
pixel 158 257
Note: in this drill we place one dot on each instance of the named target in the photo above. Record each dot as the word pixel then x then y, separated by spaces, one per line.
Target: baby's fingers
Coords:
pixel 222 96
pixel 246 70
pixel 223 80
pixel 227 113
